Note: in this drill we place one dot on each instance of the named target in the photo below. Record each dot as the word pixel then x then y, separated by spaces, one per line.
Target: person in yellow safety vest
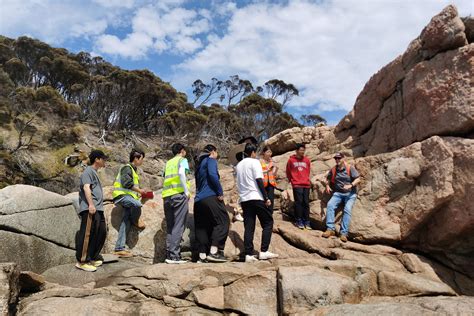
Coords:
pixel 176 194
pixel 127 194
pixel 269 174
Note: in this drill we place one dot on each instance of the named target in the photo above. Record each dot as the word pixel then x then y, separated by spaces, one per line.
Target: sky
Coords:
pixel 328 48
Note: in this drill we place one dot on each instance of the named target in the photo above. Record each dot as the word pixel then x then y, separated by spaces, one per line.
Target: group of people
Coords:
pixel 256 185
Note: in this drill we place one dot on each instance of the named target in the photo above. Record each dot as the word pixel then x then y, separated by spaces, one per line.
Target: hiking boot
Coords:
pixel 96 263
pixel 140 224
pixel 267 255
pixel 299 223
pixel 307 225
pixel 328 233
pixel 238 218
pixel 123 253
pixel 86 267
pixel 175 261
pixel 250 259
pixel 216 257
pixel 343 238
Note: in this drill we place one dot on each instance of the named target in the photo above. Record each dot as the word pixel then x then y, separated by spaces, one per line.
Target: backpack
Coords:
pixel 333 172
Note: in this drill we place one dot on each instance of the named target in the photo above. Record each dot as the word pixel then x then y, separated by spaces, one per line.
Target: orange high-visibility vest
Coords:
pixel 333 172
pixel 268 176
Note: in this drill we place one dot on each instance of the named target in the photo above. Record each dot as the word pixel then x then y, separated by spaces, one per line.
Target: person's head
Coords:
pixel 300 149
pixel 97 158
pixel 250 151
pixel 339 158
pixel 211 150
pixel 136 157
pixel 267 153
pixel 178 149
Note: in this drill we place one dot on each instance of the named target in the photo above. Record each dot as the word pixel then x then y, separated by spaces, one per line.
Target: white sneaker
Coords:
pixel 250 258
pixel 267 255
pixel 238 218
pixel 177 261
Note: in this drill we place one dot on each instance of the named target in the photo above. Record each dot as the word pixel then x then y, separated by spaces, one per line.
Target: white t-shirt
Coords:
pixel 248 170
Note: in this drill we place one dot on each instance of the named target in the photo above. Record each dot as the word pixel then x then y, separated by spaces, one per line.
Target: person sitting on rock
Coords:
pixel 93 229
pixel 127 194
pixel 176 195
pixel 342 179
pixel 255 203
pixel 211 221
pixel 298 169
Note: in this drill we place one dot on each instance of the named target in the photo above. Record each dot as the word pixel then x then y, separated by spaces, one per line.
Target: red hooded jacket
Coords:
pixel 297 171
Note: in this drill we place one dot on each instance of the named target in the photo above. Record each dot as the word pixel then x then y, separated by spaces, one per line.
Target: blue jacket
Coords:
pixel 207 180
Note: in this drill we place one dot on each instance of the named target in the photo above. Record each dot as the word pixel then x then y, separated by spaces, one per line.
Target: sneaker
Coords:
pixel 96 263
pixel 299 224
pixel 123 253
pixel 343 238
pixel 217 257
pixel 238 218
pixel 175 261
pixel 250 259
pixel 328 233
pixel 267 255
pixel 140 224
pixel 307 225
pixel 86 267
pixel 202 261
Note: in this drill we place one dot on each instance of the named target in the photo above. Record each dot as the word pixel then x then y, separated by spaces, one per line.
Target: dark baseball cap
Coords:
pixel 339 155
pixel 97 154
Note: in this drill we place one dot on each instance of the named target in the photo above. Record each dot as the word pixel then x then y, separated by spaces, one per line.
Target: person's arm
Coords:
pixel 258 174
pixel 90 201
pixel 182 179
pixel 213 177
pixel 355 182
pixel 328 180
pixel 288 171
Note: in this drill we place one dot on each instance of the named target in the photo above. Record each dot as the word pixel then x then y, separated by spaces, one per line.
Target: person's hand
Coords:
pixel 347 187
pixel 268 202
pixel 220 198
pixel 92 209
pixel 328 189
pixel 188 196
pixel 141 191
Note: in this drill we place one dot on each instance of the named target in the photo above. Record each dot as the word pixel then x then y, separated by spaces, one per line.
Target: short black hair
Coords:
pixel 209 148
pixel 299 145
pixel 136 153
pixel 176 148
pixel 249 149
pixel 96 154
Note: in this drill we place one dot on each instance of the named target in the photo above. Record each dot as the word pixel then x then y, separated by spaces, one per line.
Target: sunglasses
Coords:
pixel 337 158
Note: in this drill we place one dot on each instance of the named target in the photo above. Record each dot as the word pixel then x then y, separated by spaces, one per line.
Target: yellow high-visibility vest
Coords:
pixel 172 184
pixel 120 190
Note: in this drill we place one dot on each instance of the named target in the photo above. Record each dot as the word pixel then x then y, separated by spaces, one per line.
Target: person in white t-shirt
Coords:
pixel 255 203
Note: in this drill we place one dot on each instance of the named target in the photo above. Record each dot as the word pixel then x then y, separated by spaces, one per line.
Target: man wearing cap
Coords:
pixel 93 230
pixel 127 194
pixel 342 179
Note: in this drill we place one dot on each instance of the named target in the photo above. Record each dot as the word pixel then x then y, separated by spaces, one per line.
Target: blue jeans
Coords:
pixel 131 212
pixel 348 199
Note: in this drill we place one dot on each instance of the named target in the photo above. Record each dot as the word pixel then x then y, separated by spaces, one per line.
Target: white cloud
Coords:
pixel 328 50
pixel 115 3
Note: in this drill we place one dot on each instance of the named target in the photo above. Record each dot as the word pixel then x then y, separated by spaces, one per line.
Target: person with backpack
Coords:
pixel 176 195
pixel 211 221
pixel 342 179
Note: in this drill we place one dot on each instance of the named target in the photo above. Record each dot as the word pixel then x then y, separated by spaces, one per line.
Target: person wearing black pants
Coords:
pixel 253 209
pixel 301 196
pixel 211 220
pixel 211 223
pixel 91 236
pixel 255 203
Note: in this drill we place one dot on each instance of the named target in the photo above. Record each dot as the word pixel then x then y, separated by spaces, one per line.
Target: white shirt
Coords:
pixel 248 170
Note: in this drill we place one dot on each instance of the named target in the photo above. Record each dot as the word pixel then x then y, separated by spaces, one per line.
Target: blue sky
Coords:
pixel 327 49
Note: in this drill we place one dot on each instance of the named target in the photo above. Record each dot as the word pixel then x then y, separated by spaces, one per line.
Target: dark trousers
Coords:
pixel 211 224
pixel 253 209
pixel 91 236
pixel 301 203
pixel 271 195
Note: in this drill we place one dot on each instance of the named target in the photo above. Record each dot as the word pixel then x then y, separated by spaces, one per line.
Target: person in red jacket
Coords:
pixel 298 169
